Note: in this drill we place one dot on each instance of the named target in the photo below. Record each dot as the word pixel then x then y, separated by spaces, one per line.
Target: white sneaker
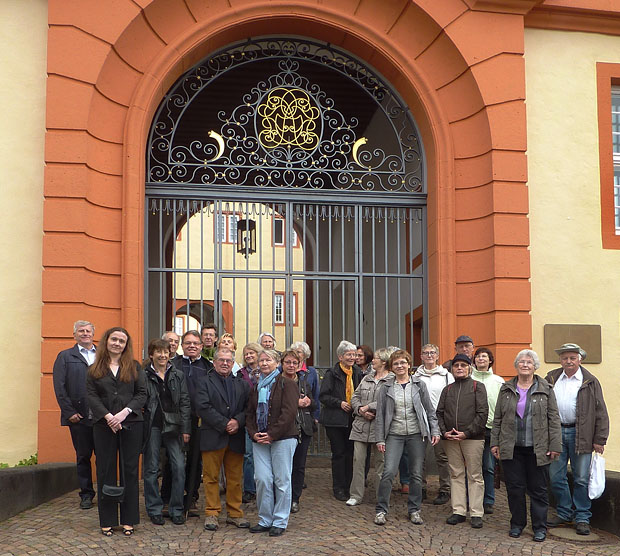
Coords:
pixel 416 518
pixel 352 502
pixel 380 518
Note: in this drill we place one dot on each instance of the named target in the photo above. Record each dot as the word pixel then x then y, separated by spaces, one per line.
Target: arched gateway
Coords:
pixel 286 193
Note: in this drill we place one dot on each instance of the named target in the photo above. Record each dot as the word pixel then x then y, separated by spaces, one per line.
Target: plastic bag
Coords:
pixel 596 484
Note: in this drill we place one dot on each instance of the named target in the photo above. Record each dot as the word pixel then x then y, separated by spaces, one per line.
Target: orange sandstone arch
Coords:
pixel 460 70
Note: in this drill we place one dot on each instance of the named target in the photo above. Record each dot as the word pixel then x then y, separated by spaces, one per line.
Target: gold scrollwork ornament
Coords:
pixel 289 119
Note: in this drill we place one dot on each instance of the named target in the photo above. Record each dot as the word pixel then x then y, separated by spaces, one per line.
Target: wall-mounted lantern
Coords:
pixel 246 237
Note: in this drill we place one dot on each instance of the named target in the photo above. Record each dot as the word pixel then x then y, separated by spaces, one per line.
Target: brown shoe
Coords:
pixel 211 523
pixel 240 522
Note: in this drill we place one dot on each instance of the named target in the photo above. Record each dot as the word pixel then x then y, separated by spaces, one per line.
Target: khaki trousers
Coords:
pixel 233 470
pixel 359 468
pixel 465 457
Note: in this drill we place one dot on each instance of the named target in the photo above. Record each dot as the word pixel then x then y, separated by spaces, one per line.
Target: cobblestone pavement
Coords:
pixel 323 526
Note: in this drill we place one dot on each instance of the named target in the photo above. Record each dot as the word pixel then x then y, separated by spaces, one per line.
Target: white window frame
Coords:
pixel 280 222
pixel 615 131
pixel 278 308
pixel 226 227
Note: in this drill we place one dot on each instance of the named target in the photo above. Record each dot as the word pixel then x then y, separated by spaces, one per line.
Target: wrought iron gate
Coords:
pixel 315 272
pixel 286 193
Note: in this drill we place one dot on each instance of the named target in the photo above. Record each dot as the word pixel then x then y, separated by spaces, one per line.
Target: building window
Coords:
pixel 226 227
pixel 608 100
pixel 615 134
pixel 279 233
pixel 279 308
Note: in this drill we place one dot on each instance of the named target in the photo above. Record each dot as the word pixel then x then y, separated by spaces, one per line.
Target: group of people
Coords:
pixel 247 428
pixel 469 419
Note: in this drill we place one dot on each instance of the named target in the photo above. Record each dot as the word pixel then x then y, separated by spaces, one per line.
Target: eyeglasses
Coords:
pixel 402 363
pixel 291 362
pixel 225 361
pixel 191 343
pixel 429 352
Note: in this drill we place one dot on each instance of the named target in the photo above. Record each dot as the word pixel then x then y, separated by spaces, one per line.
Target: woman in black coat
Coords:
pixel 116 390
pixel 337 389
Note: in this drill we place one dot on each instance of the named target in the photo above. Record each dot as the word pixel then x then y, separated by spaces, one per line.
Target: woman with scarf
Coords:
pixel 270 422
pixel 337 388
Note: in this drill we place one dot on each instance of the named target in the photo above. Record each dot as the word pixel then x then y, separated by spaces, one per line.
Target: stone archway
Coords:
pixel 108 69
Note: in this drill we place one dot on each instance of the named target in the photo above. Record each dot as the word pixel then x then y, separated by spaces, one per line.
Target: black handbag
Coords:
pixel 116 493
pixel 172 422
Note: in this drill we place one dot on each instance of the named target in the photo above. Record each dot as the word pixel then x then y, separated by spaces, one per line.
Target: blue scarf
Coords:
pixel 264 388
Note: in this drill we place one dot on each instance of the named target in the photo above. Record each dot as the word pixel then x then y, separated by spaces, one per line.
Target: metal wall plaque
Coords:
pixel 587 336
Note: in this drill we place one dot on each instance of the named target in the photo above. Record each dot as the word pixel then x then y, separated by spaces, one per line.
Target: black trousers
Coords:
pixel 342 457
pixel 523 476
pixel 299 466
pixel 84 445
pixel 106 450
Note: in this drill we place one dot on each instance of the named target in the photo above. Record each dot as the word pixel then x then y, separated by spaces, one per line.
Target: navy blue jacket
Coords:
pixel 194 373
pixel 215 411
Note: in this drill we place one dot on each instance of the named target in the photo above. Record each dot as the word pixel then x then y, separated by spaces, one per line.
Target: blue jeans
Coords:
pixel 488 470
pixel 273 465
pixel 580 466
pixel 152 498
pixel 395 445
pixel 248 466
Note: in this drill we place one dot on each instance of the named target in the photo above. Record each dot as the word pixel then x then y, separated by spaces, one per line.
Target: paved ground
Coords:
pixel 323 526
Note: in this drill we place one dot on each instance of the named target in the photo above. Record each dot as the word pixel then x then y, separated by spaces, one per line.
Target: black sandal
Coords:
pixel 107 531
pixel 128 531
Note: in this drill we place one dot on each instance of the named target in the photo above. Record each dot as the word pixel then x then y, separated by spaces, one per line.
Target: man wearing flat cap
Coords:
pixel 585 428
pixel 463 345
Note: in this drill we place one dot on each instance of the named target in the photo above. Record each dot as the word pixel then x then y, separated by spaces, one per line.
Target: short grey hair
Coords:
pixel 527 353
pixel 345 346
pixel 163 336
pixel 263 334
pixel 271 353
pixel 79 323
pixel 217 352
pixel 303 347
pixel 383 354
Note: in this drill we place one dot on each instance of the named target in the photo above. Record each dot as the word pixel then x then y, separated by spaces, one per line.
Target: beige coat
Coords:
pixel 363 430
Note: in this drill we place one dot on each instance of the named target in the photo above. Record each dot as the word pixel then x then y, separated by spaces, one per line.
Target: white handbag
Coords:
pixel 596 484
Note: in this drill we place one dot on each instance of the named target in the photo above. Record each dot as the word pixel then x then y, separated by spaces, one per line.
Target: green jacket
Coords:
pixel 493 384
pixel 545 421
